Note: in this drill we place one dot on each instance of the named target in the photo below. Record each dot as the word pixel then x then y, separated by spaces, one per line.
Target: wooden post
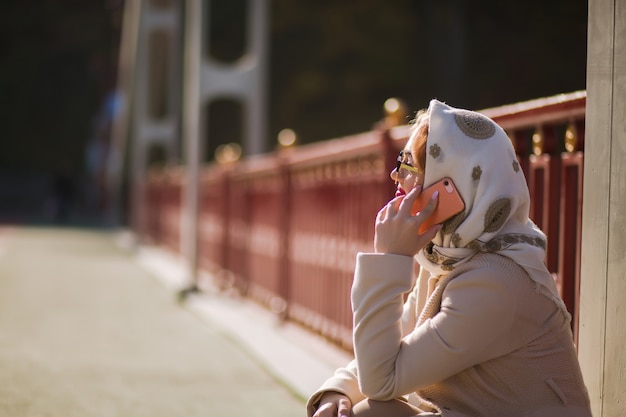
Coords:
pixel 602 308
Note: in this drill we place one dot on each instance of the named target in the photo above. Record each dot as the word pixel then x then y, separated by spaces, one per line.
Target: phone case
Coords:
pixel 450 203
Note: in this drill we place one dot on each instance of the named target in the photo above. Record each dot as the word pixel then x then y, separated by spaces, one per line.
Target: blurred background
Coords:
pixel 331 66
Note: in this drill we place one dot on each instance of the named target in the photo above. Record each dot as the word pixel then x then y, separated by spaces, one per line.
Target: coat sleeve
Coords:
pixel 477 309
pixel 409 316
pixel 344 380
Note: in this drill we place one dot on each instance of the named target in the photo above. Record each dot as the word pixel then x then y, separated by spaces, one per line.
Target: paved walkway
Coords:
pixel 91 328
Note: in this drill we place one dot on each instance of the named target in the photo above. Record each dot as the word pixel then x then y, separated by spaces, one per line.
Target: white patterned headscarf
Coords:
pixel 478 156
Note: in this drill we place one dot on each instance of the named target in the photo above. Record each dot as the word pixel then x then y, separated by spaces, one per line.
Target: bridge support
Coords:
pixel 206 80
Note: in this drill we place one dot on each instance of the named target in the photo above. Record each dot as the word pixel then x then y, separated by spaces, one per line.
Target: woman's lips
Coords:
pixel 400 192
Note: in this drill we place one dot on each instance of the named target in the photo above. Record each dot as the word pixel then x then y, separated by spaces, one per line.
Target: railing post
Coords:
pixel 554 198
pixel 284 285
pixel 544 180
pixel 226 215
pixel 571 219
pixel 570 233
pixel 390 153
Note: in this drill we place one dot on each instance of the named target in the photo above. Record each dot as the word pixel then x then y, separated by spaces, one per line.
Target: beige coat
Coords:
pixel 487 343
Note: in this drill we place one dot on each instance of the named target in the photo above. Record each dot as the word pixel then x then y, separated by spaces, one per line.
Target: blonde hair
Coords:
pixel 418 147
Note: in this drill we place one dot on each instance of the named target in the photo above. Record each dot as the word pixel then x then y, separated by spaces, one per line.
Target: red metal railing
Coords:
pixel 284 228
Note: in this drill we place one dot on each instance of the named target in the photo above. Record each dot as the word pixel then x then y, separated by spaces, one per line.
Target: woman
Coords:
pixel 483 331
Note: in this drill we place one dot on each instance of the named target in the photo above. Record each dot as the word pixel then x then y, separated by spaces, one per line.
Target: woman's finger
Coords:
pixel 409 199
pixel 392 206
pixel 431 232
pixel 343 408
pixel 325 410
pixel 382 214
pixel 430 207
pixel 384 211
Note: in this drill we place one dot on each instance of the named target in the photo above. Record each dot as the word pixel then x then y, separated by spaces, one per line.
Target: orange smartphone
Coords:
pixel 450 203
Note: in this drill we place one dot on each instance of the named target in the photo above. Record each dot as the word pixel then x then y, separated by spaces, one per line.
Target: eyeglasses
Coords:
pixel 404 165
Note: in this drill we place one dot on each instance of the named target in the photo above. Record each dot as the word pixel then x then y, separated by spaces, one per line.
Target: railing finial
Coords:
pixel 571 137
pixel 538 142
pixel 395 112
pixel 287 138
pixel 228 153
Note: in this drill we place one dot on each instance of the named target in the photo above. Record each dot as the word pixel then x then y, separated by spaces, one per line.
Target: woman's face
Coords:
pixel 406 175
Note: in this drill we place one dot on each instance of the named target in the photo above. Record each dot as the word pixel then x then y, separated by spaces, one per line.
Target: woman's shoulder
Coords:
pixel 491 264
pixel 496 271
pixel 494 261
pixel 496 291
pixel 507 279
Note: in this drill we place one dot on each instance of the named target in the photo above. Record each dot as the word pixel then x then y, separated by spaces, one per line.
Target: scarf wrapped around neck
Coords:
pixel 478 156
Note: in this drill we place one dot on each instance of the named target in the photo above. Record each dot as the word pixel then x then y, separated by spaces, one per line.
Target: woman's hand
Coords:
pixel 397 231
pixel 333 404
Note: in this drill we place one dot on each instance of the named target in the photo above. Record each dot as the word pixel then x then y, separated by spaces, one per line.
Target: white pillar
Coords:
pixel 193 142
pixel 141 22
pixel 602 327
pixel 205 80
